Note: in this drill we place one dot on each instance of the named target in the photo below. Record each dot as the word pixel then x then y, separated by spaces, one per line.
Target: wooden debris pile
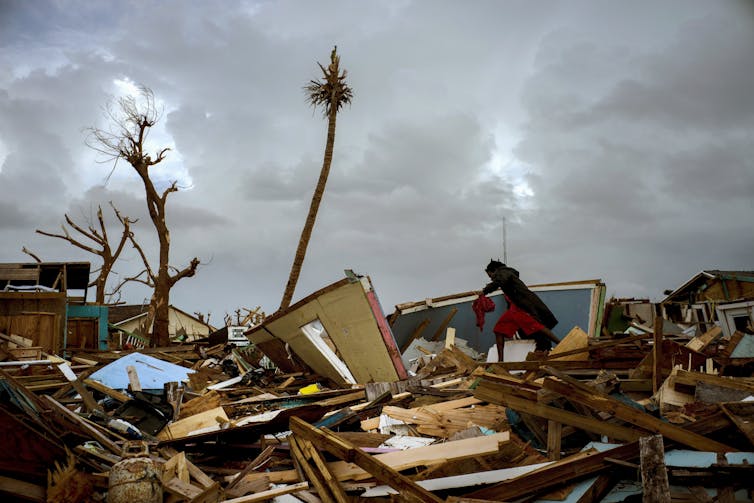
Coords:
pixel 668 414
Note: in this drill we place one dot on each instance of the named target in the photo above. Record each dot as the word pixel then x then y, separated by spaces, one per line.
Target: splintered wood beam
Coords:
pixel 328 441
pixel 654 474
pixel 253 465
pixel 112 393
pixel 554 431
pixel 415 334
pixel 314 456
pixel 574 419
pixel 441 329
pixel 605 403
pixel 84 426
pixel 565 471
pixel 328 490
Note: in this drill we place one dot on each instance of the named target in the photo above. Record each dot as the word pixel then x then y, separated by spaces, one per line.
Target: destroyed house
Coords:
pixel 640 414
pixel 45 303
pixel 698 301
pixel 127 325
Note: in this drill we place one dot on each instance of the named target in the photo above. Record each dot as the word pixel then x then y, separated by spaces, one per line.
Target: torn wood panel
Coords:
pixel 209 420
pixel 575 344
pixel 700 342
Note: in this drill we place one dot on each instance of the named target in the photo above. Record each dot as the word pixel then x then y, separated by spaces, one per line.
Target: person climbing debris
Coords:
pixel 526 314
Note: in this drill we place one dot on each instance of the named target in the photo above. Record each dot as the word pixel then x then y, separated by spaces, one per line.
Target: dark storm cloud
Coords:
pixel 627 125
pixel 655 163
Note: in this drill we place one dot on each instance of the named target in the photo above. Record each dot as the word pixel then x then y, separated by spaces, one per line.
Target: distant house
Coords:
pixel 45 302
pixel 711 296
pixel 129 320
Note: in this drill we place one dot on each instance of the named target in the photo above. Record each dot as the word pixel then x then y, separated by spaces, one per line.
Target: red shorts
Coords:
pixel 515 319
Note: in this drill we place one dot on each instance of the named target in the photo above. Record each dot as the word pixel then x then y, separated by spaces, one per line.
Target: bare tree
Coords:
pixel 101 246
pixel 31 254
pixel 331 93
pixel 130 124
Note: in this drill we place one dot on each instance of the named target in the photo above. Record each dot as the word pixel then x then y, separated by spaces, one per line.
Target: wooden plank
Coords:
pixel 330 481
pixel 25 491
pixel 252 465
pixel 307 471
pixel 348 452
pixel 415 334
pixel 84 425
pixel 19 274
pixel 654 475
pixel 402 460
pixel 133 378
pixel 604 403
pixel 566 470
pixel 450 337
pixel 554 432
pixel 599 345
pixel 742 415
pixel 576 339
pixel 269 494
pixel 700 342
pixel 444 324
pixel 112 393
pixel 198 475
pixel 687 378
pixel 181 488
pixel 587 423
pixel 185 427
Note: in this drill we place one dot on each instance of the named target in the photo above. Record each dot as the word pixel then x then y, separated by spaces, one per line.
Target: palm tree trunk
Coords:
pixel 306 233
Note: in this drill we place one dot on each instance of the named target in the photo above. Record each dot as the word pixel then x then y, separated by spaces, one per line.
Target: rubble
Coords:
pixel 634 404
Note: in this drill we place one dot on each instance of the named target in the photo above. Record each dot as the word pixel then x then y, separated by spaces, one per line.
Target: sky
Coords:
pixel 576 140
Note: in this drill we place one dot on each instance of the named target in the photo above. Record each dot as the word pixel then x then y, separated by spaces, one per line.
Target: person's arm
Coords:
pixel 489 288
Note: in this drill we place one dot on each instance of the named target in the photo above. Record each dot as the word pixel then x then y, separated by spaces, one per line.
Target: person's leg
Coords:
pixel 548 333
pixel 541 340
pixel 500 342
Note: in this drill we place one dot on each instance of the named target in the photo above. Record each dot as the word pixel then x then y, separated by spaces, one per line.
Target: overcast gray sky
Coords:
pixel 614 137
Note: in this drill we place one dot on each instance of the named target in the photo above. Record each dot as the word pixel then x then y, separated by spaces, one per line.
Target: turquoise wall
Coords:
pixel 89 311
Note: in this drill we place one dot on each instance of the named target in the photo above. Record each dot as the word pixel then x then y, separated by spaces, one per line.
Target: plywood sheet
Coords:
pixel 575 339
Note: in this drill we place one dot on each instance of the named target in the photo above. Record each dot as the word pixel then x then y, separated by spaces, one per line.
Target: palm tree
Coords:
pixel 331 93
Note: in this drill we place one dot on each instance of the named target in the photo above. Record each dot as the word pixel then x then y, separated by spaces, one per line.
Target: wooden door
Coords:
pixel 82 333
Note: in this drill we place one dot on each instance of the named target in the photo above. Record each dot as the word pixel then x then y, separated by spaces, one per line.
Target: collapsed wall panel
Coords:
pixel 339 332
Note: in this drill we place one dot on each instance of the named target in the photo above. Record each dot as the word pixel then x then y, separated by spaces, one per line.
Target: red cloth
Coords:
pixel 515 319
pixel 481 306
